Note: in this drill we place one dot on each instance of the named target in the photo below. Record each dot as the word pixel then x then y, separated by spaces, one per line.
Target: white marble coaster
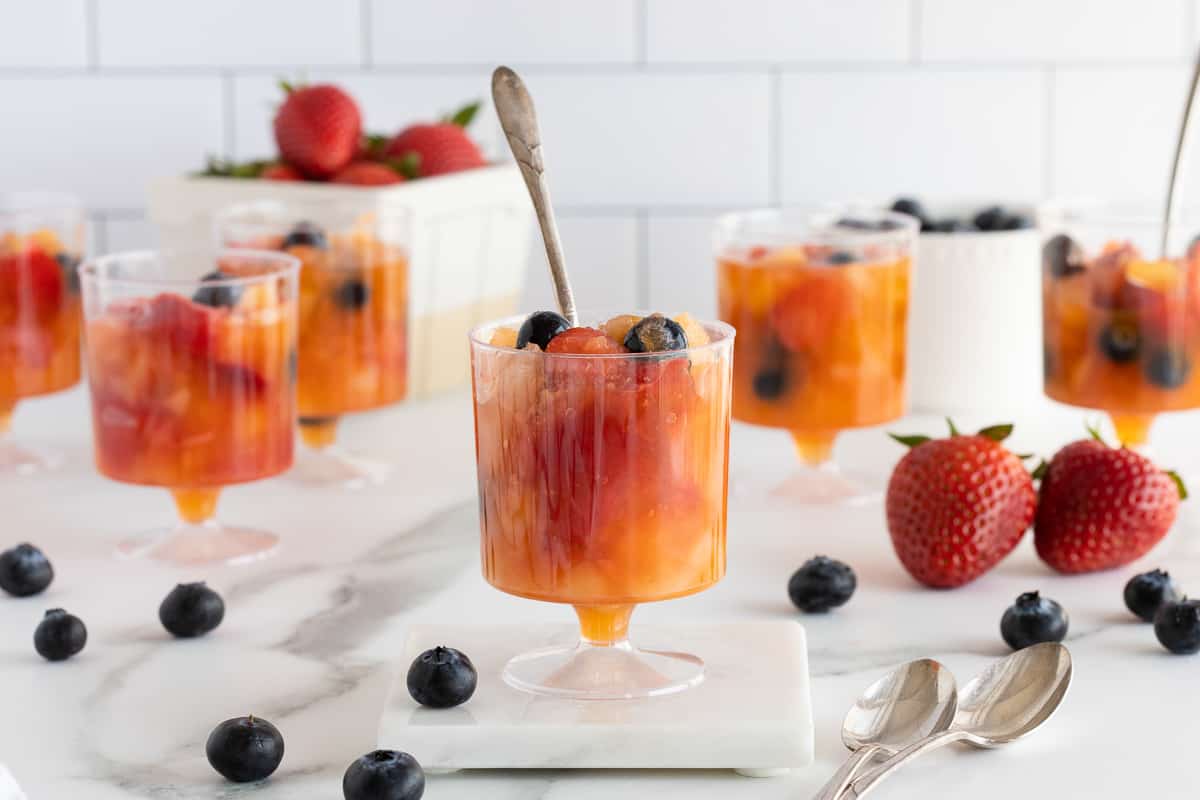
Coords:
pixel 752 713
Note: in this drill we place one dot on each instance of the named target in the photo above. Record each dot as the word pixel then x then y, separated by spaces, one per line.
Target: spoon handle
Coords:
pixel 519 120
pixel 1176 165
pixel 850 769
pixel 860 786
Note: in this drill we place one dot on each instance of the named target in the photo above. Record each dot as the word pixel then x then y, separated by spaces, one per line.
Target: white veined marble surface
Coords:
pixel 311 638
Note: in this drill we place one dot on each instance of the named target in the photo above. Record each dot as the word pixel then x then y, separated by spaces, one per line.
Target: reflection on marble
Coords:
pixel 313 638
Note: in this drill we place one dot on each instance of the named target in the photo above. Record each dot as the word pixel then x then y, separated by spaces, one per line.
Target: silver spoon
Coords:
pixel 1177 165
pixel 518 118
pixel 908 704
pixel 1008 700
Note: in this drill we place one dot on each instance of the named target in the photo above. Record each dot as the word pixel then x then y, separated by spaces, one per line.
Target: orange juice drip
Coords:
pixel 604 625
pixel 196 505
pixel 815 447
pixel 1133 430
pixel 318 435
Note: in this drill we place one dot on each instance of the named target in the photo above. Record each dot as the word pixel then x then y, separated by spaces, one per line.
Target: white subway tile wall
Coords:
pixel 658 114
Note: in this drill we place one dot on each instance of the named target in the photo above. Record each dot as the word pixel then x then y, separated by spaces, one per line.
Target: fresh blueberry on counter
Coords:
pixel 442 678
pixel 1145 593
pixel 25 571
pixel 384 775
pixel 191 609
pixel 1177 626
pixel 59 635
pixel 821 584
pixel 244 749
pixel 656 334
pixel 1033 619
pixel 225 296
pixel 351 294
pixel 305 234
pixel 540 327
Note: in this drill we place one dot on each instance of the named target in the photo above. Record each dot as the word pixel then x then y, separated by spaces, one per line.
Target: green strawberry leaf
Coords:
pixel 287 86
pixel 462 118
pixel 1093 429
pixel 909 441
pixel 408 165
pixel 1040 471
pixel 953 430
pixel 1179 484
pixel 374 144
pixel 997 433
pixel 1024 456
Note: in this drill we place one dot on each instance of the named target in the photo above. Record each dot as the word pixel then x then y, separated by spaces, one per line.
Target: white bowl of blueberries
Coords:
pixel 975 315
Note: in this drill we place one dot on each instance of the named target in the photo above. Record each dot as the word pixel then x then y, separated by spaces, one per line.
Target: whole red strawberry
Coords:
pixel 1101 507
pixel 280 172
pixel 439 148
pixel 367 173
pixel 957 506
pixel 318 129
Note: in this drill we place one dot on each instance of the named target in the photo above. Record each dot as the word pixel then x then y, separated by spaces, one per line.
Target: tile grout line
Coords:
pixel 1189 25
pixel 99 221
pixel 915 11
pixel 91 35
pixel 364 14
pixel 228 114
pixel 1050 76
pixel 642 219
pixel 774 138
pixel 641 32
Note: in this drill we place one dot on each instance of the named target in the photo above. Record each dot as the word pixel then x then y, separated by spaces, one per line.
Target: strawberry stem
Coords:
pixel 1093 430
pixel 953 430
pixel 1040 471
pixel 997 433
pixel 909 441
pixel 1179 484
pixel 462 118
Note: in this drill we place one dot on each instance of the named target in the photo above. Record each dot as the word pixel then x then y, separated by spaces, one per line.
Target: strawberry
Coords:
pixel 280 172
pixel 957 506
pixel 32 279
pixel 367 173
pixel 318 129
pixel 1102 507
pixel 441 148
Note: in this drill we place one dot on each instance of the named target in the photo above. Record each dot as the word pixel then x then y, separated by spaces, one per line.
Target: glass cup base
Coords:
pixel 603 672
pixel 333 466
pixel 19 459
pixel 202 544
pixel 826 485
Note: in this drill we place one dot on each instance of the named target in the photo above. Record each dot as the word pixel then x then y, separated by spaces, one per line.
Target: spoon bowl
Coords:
pixel 1011 698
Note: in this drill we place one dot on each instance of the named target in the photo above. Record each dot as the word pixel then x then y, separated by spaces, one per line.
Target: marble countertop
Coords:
pixel 311 638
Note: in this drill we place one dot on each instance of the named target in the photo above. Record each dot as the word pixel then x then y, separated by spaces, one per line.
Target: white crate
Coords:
pixel 470 244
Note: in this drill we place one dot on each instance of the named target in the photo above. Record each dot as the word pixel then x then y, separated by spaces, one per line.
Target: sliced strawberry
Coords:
pixel 807 316
pixel 33 280
pixel 584 341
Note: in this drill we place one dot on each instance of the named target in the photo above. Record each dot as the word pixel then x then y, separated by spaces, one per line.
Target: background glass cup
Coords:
pixel 191 362
pixel 602 484
pixel 1121 326
pixel 820 304
pixel 353 317
pixel 41 243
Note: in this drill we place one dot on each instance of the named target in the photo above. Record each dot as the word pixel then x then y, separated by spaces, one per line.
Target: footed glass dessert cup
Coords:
pixel 353 312
pixel 191 361
pixel 820 304
pixel 41 242
pixel 1121 325
pixel 602 484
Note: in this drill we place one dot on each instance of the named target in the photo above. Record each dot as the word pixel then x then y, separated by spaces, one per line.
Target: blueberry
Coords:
pixel 540 327
pixel 69 264
pixel 1031 620
pixel 821 584
pixel 1120 340
pixel 948 225
pixel 217 296
pixel 1146 592
pixel 656 334
pixel 351 294
pixel 59 635
pixel 1168 368
pixel 1016 222
pixel 305 234
pixel 990 219
pixel 25 571
pixel 841 257
pixel 191 609
pixel 384 775
pixel 912 207
pixel 1062 256
pixel 1177 626
pixel 770 383
pixel 442 678
pixel 244 749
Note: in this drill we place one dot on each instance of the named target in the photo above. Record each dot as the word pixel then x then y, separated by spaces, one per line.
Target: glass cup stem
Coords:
pixel 604 625
pixel 196 505
pixel 1133 430
pixel 318 432
pixel 815 448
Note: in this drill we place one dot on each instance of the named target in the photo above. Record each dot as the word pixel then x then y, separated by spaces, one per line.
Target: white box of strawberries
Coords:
pixel 469 223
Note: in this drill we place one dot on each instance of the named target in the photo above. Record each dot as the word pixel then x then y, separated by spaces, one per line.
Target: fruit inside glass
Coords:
pixel 602 484
pixel 353 311
pixel 41 242
pixel 191 361
pixel 1121 319
pixel 820 304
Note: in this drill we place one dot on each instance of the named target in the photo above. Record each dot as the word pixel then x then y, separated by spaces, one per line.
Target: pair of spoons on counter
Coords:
pixel 916 708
